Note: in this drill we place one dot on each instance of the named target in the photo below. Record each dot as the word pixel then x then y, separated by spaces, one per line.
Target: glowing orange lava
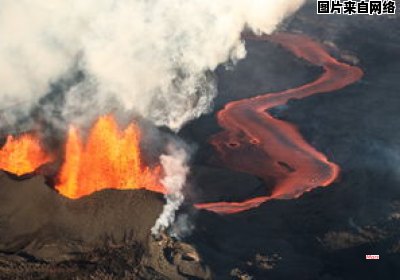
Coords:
pixel 255 142
pixel 22 155
pixel 110 159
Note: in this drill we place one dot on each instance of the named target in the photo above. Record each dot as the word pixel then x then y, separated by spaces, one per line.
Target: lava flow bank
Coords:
pixel 256 143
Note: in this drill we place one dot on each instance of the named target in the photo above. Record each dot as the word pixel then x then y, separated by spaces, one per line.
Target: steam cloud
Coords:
pixel 153 57
pixel 176 169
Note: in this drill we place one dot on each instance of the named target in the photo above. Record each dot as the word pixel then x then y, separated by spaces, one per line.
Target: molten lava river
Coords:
pixel 255 142
pixel 252 141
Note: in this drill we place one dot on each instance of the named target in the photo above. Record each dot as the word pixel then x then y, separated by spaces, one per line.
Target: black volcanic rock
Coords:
pixel 38 220
pixel 105 235
pixel 218 184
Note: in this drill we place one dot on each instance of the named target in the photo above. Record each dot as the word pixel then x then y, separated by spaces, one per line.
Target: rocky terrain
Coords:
pixel 102 236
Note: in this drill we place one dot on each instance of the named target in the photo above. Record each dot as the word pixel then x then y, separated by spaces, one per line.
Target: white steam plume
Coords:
pixel 176 169
pixel 154 57
pixel 151 56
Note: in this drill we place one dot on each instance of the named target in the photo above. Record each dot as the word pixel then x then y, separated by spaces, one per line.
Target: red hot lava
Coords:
pixel 255 142
pixel 23 154
pixel 110 158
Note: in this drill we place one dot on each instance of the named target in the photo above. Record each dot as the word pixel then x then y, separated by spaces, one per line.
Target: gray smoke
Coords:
pixel 154 56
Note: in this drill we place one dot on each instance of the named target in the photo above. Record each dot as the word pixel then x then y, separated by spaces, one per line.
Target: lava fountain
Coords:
pixel 110 158
pixel 22 155
pixel 254 142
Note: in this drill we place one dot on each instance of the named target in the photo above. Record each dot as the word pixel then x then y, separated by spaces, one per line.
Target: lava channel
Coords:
pixel 256 143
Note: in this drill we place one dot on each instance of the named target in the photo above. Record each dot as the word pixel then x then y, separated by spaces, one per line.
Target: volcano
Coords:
pixel 75 222
pixel 295 174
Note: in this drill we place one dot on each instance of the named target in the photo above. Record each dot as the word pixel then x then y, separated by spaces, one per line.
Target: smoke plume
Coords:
pixel 176 169
pixel 155 57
